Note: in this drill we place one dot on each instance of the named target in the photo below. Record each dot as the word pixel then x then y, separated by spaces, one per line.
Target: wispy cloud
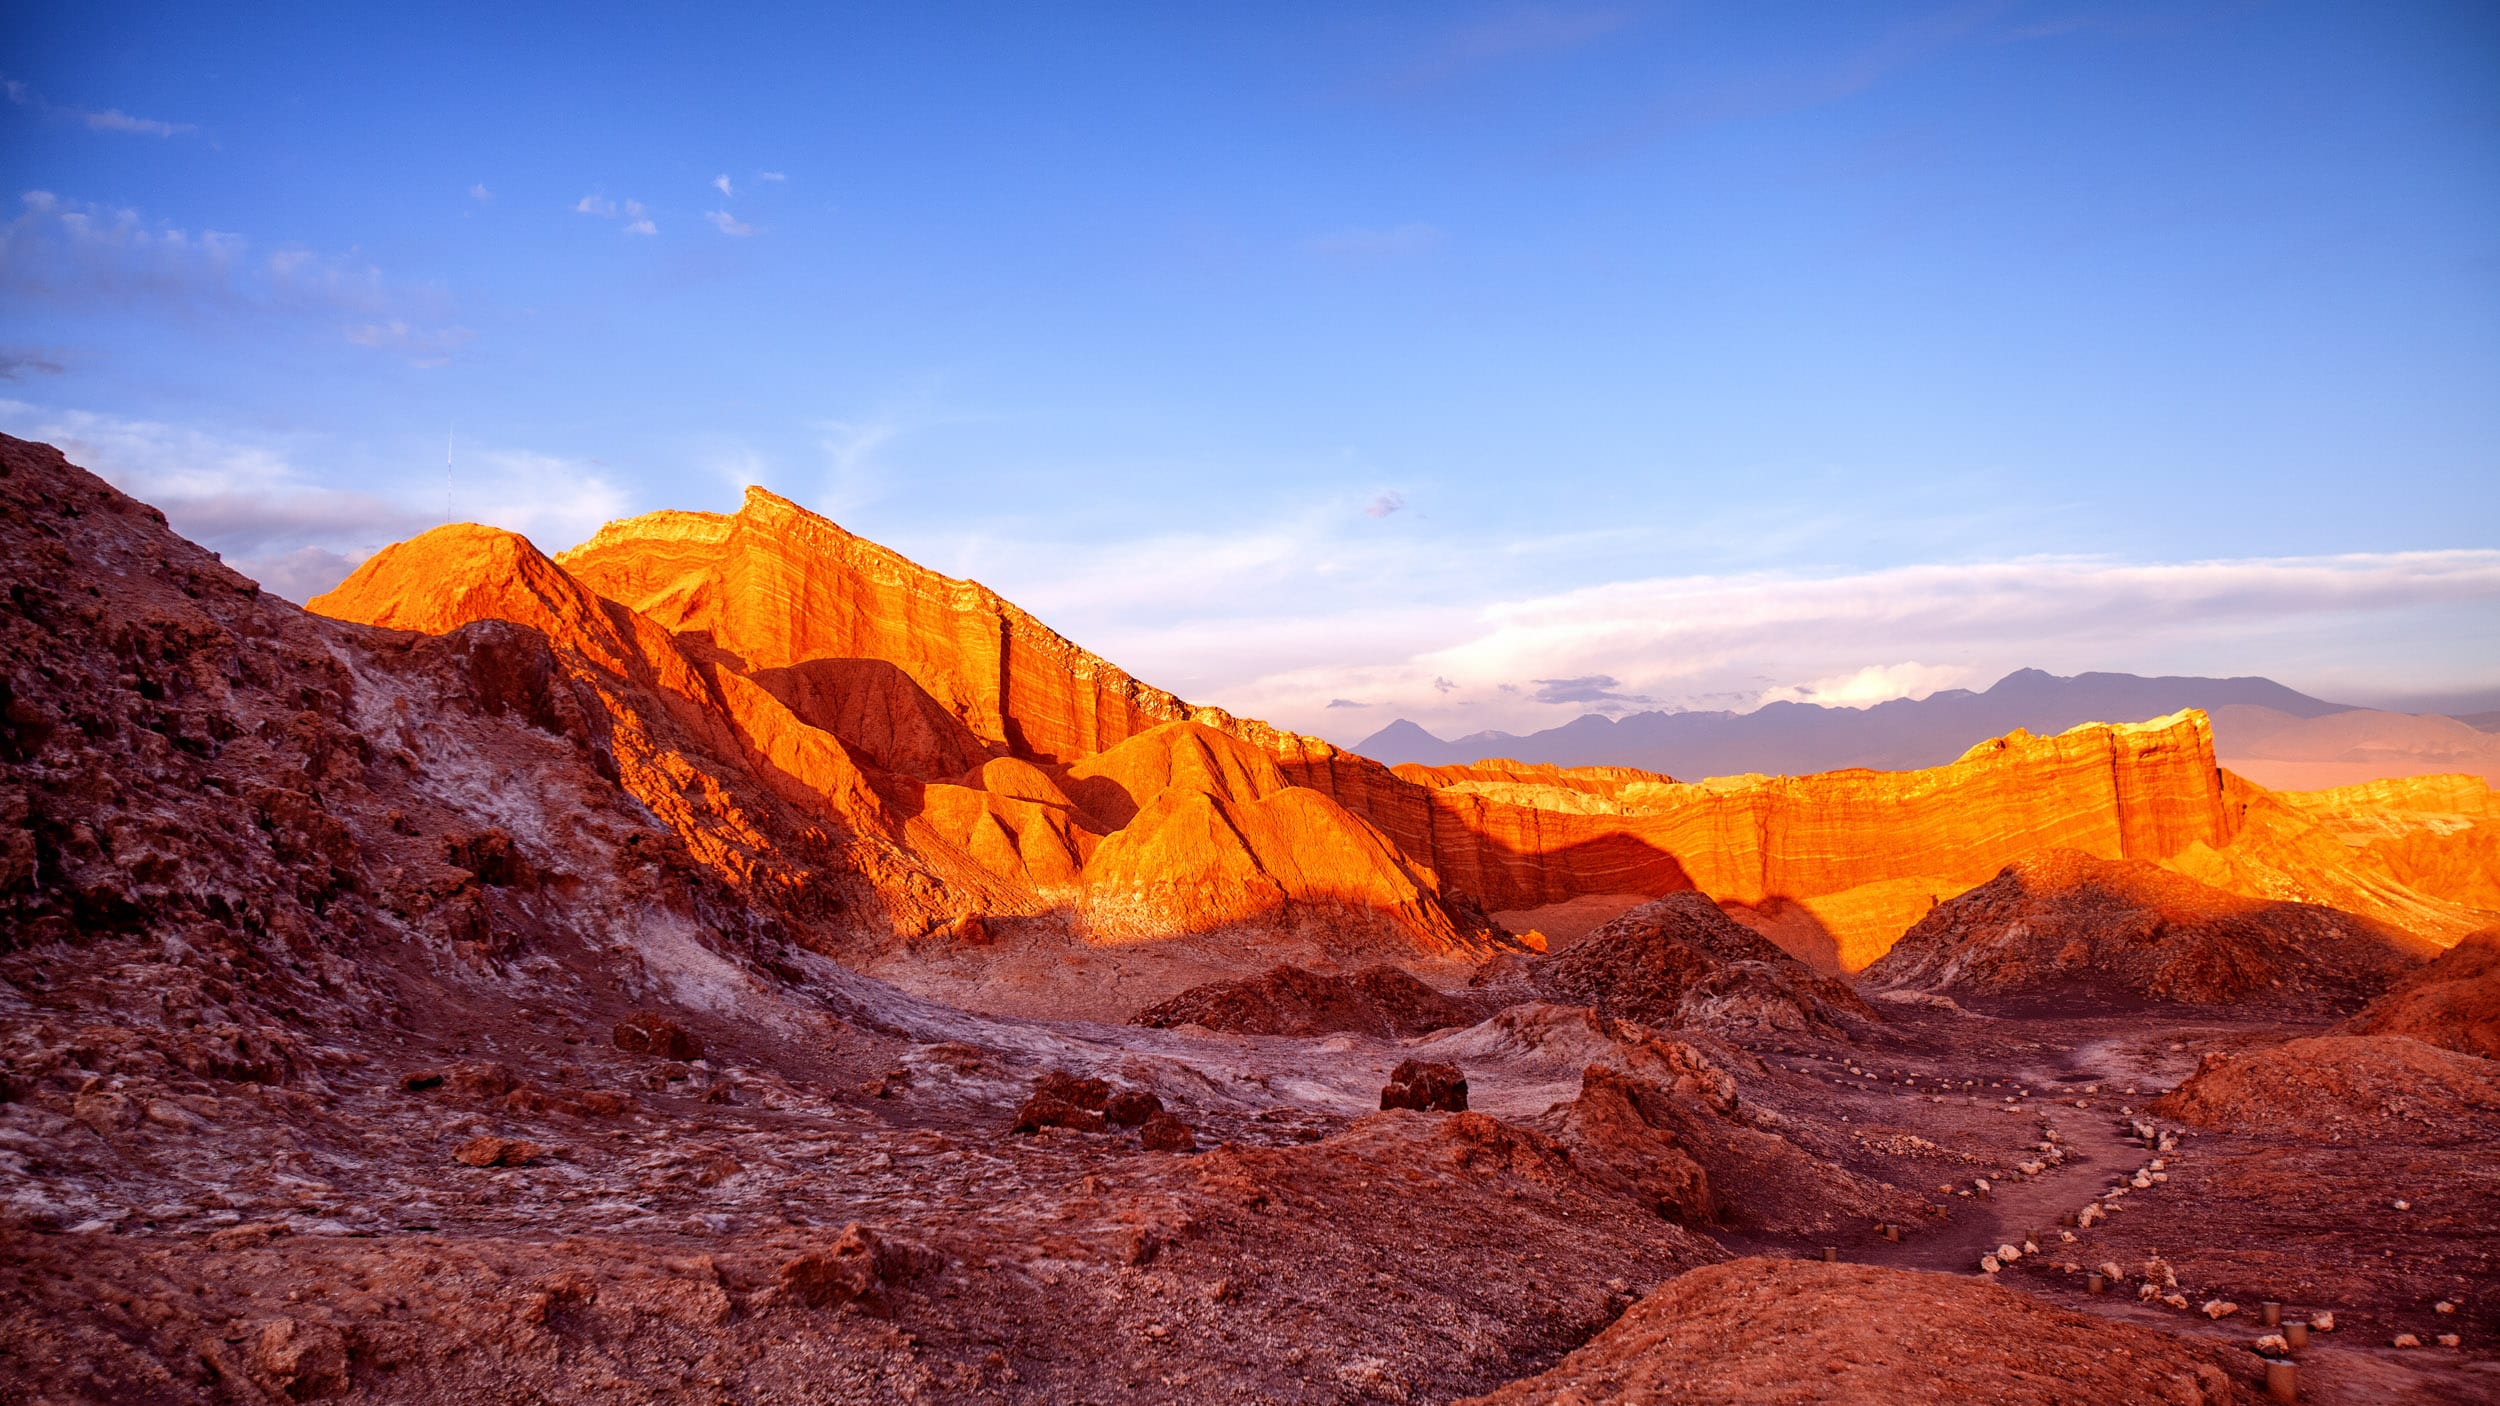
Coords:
pixel 1806 81
pixel 1385 242
pixel 1384 505
pixel 1597 692
pixel 1279 617
pixel 635 218
pixel 425 346
pixel 730 224
pixel 1511 34
pixel 480 193
pixel 110 119
pixel 252 500
pixel 18 363
pixel 770 176
pixel 88 256
pixel 1878 683
pixel 721 184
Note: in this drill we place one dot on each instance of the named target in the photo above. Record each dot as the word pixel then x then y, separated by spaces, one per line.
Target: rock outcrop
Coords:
pixel 1747 1331
pixel 964 759
pixel 1863 853
pixel 2454 1002
pixel 1679 961
pixel 935 742
pixel 2073 928
pixel 2369 1089
pixel 1288 1000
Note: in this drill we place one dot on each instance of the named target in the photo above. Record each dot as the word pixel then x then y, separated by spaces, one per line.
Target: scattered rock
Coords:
pixel 857 1268
pixel 651 1033
pixel 1430 1087
pixel 303 1360
pixel 1090 1094
pixel 1130 1107
pixel 1051 1111
pixel 1165 1133
pixel 486 1150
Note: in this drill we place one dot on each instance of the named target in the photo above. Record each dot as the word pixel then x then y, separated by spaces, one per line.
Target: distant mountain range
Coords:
pixel 1797 738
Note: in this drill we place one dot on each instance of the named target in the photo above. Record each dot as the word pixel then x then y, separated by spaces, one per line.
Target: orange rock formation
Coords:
pixel 791 696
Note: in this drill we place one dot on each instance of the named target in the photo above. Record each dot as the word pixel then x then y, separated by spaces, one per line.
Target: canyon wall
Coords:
pixel 966 761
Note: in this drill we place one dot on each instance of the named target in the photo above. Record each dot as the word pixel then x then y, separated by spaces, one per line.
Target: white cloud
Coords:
pixel 480 193
pixel 111 119
pixel 729 224
pixel 1384 505
pixel 552 500
pixel 254 502
pixel 298 575
pixel 770 176
pixel 721 184
pixel 424 346
pixel 636 218
pixel 1276 618
pixel 84 255
pixel 1877 683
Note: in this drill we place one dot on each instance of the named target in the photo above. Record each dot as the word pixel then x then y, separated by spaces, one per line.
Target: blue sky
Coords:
pixel 1407 359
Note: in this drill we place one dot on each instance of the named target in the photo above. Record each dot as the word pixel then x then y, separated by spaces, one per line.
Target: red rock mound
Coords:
pixel 2070 926
pixel 1681 961
pixel 1660 1119
pixel 1289 1000
pixel 2454 1002
pixel 1765 1330
pixel 2368 1089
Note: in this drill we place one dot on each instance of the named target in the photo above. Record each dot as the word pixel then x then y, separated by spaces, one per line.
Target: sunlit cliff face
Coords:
pixel 787 696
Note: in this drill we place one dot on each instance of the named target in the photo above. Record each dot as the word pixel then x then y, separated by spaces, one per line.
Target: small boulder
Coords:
pixel 2218 1309
pixel 303 1360
pixel 1131 1107
pixel 651 1033
pixel 858 1267
pixel 2407 1340
pixel 1089 1094
pixel 486 1150
pixel 1426 1086
pixel 842 1273
pixel 1044 1110
pixel 1165 1133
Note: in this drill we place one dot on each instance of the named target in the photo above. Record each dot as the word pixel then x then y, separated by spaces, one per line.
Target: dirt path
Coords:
pixel 2096 1152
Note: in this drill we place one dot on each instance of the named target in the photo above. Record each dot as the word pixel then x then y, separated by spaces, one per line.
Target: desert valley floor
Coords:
pixel 726 962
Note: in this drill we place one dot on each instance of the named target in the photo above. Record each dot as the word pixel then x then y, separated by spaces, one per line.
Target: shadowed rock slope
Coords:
pixel 2454 1002
pixel 1680 961
pixel 2071 928
pixel 1289 1000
